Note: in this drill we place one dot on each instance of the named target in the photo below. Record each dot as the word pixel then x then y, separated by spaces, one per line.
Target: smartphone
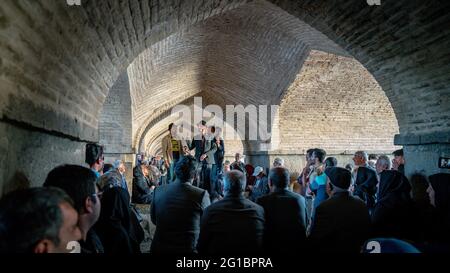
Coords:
pixel 444 162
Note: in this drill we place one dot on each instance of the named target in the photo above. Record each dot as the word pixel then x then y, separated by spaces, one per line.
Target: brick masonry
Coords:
pixel 58 63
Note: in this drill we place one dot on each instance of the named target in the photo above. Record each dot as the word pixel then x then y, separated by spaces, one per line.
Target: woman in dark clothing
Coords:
pixel 423 209
pixel 393 212
pixel 116 225
pixel 439 195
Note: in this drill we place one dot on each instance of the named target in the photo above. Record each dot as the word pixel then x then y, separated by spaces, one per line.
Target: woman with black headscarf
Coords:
pixel 423 209
pixel 439 193
pixel 115 224
pixel 393 213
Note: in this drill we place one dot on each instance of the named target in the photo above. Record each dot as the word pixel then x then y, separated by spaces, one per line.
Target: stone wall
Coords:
pixel 335 103
pixel 115 125
pixel 31 154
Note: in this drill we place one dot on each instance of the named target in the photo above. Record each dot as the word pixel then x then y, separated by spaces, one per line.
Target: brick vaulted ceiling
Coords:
pixel 246 56
pixel 58 63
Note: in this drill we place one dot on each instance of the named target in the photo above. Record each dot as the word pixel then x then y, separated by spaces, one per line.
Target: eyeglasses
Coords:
pixel 98 194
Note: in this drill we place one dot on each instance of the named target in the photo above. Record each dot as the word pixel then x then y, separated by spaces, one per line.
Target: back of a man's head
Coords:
pixel 331 162
pixel 398 152
pixel 185 168
pixel 77 181
pixel 278 162
pixel 363 155
pixel 29 216
pixel 279 177
pixel 235 182
pixel 93 153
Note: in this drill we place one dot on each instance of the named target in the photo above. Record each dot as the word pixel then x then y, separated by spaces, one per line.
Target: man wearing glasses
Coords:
pixel 80 185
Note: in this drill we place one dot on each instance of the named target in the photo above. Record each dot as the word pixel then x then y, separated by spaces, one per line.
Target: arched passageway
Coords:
pixel 59 63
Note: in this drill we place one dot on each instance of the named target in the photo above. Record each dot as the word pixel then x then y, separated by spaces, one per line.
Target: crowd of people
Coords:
pixel 205 204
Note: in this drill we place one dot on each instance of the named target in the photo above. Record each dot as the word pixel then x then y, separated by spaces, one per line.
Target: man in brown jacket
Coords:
pixel 172 149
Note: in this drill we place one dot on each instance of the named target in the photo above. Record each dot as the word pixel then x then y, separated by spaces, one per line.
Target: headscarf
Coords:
pixel 419 185
pixel 441 186
pixel 393 183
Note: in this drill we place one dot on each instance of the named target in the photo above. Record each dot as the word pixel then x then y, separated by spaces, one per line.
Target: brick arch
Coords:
pixel 150 142
pixel 81 50
pixel 399 44
pixel 244 56
pixel 58 62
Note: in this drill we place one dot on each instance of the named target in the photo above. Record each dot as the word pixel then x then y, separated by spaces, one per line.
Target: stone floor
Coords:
pixel 148 226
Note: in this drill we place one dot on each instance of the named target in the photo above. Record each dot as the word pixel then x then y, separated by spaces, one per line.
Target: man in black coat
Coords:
pixel 285 212
pixel 366 180
pixel 233 225
pixel 176 211
pixel 205 148
pixel 342 223
pixel 142 187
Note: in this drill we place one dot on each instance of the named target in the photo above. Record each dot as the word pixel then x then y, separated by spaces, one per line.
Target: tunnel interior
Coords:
pixel 110 72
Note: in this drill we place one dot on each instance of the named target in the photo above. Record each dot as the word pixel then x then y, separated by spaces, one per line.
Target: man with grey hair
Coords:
pixel 365 180
pixel 119 166
pixel 278 162
pixel 233 225
pixel 383 163
pixel 341 223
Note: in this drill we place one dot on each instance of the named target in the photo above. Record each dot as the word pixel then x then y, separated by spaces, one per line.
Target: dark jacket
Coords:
pixel 220 154
pixel 239 166
pixel 176 210
pixel 439 235
pixel 93 244
pixel 233 225
pixel 393 215
pixel 260 188
pixel 285 225
pixel 115 224
pixel 341 224
pixel 209 148
pixel 366 185
pixel 142 194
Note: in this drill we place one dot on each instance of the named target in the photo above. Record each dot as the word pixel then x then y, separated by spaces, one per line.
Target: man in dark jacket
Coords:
pixel 80 184
pixel 342 222
pixel 285 212
pixel 205 148
pixel 366 180
pixel 142 186
pixel 176 211
pixel 233 225
pixel 118 225
pixel 238 164
pixel 220 153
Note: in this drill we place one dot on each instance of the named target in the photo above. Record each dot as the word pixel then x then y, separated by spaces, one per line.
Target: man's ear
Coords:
pixel 89 205
pixel 43 246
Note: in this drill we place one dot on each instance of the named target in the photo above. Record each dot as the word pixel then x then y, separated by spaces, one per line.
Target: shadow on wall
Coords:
pixel 19 181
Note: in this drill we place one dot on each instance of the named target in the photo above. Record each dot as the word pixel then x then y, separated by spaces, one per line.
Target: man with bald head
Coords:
pixel 285 213
pixel 233 225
